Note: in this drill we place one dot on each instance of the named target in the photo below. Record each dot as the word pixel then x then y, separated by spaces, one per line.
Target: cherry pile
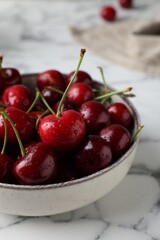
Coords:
pixel 68 129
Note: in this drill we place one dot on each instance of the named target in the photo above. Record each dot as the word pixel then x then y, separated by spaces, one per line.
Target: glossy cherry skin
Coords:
pixel 120 114
pixel 82 76
pixel 22 122
pixel 38 166
pixel 95 116
pixel 51 96
pixel 95 154
pixel 9 77
pixel 62 133
pixel 126 3
pixel 108 13
pixel 18 96
pixel 80 93
pixel 118 138
pixel 51 78
pixel 6 164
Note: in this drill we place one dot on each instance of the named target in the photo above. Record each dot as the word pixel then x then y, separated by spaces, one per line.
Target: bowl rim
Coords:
pixel 86 178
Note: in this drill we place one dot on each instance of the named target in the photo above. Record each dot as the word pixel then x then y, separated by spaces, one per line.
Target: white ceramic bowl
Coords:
pixel 51 199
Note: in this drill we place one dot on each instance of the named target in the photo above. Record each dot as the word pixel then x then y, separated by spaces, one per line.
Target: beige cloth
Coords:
pixel 133 44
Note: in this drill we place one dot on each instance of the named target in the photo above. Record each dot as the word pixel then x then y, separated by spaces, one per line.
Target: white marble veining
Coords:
pixel 34 36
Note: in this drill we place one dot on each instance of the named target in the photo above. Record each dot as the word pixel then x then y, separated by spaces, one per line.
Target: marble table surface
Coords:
pixel 35 36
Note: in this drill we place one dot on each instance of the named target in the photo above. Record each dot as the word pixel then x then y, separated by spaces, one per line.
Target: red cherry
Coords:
pixel 38 166
pixel 51 96
pixel 81 77
pixel 9 77
pixel 6 164
pixel 118 138
pixel 22 122
pixel 51 78
pixel 80 93
pixel 18 96
pixel 120 114
pixel 95 116
pixel 126 3
pixel 62 133
pixel 108 13
pixel 95 154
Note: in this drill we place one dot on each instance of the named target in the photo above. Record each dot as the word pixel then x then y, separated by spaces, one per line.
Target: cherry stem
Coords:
pixel 137 132
pixel 5 135
pixel 108 95
pixel 103 78
pixel 55 89
pixel 39 118
pixel 82 52
pixel 16 133
pixel 37 97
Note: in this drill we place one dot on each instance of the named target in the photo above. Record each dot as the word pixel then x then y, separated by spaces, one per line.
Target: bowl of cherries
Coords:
pixel 66 140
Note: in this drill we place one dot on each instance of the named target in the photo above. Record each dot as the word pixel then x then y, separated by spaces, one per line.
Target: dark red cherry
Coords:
pixel 18 96
pixel 126 3
pixel 80 93
pixel 6 164
pixel 82 76
pixel 22 122
pixel 118 138
pixel 9 77
pixel 120 114
pixel 51 96
pixel 95 116
pixel 38 166
pixel 51 78
pixel 67 105
pixel 62 133
pixel 95 154
pixel 108 13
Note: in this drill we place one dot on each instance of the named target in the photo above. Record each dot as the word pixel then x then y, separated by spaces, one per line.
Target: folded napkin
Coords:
pixel 133 44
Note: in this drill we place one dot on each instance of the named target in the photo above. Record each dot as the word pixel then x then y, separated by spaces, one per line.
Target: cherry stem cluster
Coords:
pixel 82 52
pixel 37 97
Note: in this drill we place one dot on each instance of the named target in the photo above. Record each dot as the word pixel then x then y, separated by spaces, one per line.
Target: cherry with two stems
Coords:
pixel 64 130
